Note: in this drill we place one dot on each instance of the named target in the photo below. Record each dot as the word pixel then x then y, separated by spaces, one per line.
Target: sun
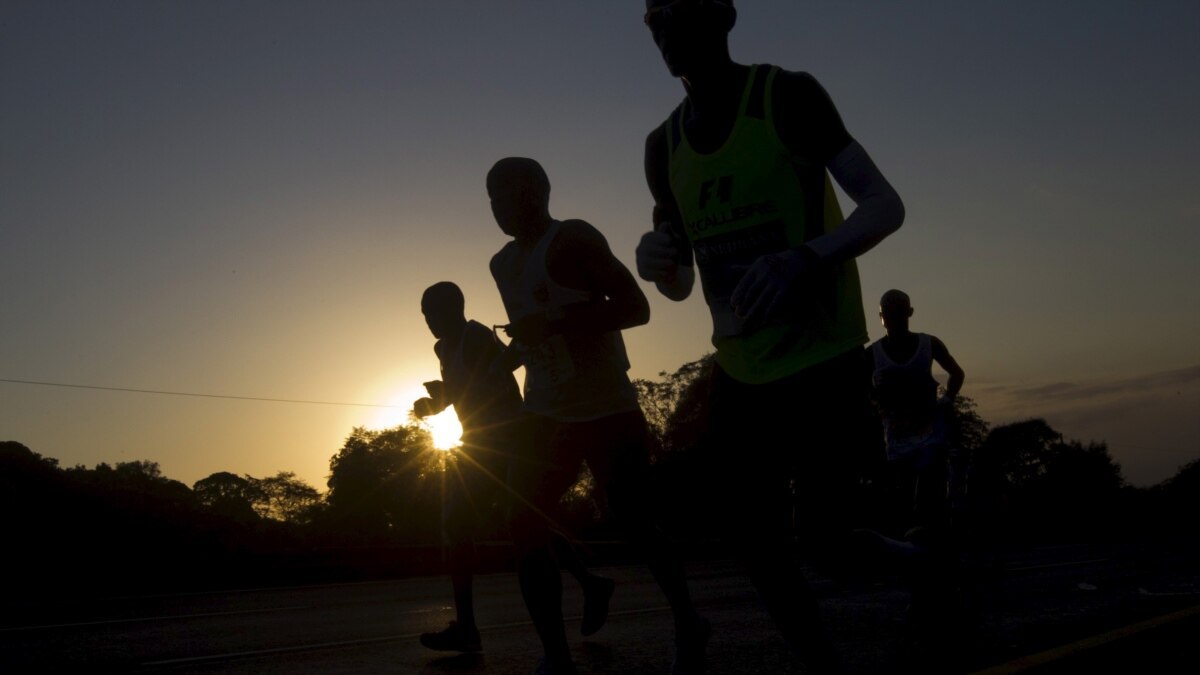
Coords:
pixel 445 429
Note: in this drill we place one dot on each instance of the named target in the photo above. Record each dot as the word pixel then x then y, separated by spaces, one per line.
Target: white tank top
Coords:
pixel 907 392
pixel 571 378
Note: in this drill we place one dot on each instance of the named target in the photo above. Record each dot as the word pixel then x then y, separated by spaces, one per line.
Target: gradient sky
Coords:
pixel 247 199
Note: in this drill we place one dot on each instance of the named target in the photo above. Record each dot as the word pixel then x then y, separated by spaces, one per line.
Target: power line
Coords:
pixel 196 395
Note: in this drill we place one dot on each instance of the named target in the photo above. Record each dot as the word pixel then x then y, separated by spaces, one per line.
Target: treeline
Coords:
pixel 128 526
pixel 1025 483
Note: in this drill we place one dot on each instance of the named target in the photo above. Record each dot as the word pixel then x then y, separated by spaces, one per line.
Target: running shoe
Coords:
pixel 453 638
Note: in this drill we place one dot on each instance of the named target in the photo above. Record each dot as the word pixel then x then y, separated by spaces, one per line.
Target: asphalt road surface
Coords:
pixel 1050 610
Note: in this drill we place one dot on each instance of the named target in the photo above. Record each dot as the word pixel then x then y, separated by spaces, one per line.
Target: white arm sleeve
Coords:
pixel 878 210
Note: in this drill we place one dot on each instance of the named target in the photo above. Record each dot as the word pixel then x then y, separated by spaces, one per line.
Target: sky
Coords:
pixel 247 199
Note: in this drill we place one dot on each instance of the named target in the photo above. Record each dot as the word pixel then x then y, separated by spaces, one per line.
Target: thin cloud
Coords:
pixel 1065 392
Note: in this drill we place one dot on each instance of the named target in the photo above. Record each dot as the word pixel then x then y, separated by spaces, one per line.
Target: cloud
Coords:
pixel 1063 392
pixel 1149 421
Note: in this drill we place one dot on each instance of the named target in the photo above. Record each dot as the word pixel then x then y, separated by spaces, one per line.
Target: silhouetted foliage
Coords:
pixel 228 494
pixel 676 409
pixel 285 498
pixel 385 487
pixel 675 405
pixel 31 489
pixel 1186 482
pixel 1030 483
pixel 967 430
pixel 127 525
pixel 1177 499
pixel 282 497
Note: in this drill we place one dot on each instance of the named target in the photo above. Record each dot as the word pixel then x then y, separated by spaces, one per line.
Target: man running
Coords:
pixel 568 298
pixel 488 405
pixel 739 173
pixel 924 477
pixel 914 417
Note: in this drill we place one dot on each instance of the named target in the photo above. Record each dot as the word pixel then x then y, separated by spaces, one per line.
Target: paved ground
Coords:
pixel 1045 611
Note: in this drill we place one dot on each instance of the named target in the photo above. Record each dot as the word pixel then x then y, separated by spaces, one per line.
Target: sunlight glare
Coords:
pixel 445 429
pixel 444 426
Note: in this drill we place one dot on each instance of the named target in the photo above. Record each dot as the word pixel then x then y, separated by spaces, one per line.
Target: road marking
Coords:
pixel 214 658
pixel 1078 647
pixel 202 615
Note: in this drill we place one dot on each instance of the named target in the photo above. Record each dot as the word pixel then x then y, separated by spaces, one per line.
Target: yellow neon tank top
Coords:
pixel 750 197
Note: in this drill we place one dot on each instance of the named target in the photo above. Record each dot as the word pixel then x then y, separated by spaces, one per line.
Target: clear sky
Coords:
pixel 247 199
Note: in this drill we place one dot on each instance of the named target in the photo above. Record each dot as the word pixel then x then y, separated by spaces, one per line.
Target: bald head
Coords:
pixel 520 194
pixel 896 299
pixel 895 309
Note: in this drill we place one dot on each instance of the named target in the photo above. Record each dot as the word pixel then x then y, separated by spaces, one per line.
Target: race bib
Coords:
pixel 548 364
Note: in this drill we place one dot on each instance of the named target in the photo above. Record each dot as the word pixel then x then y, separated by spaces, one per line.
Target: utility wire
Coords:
pixel 185 393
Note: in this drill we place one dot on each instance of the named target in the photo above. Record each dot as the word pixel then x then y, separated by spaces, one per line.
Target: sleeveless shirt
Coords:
pixel 571 378
pixel 751 197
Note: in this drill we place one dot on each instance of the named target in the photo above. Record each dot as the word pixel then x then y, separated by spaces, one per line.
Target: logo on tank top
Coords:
pixel 724 186
pixel 730 218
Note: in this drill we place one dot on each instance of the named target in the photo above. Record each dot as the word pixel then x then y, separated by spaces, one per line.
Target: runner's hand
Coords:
pixel 436 389
pixel 657 257
pixel 506 361
pixel 769 286
pixel 423 407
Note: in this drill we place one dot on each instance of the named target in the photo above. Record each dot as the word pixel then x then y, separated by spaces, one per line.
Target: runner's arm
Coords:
pixel 663 255
pixel 942 357
pixel 809 124
pixel 580 258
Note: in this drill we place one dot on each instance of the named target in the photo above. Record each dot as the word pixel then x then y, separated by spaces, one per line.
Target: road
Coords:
pixel 1043 611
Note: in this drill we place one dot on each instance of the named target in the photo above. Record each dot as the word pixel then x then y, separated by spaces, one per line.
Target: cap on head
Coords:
pixel 692 35
pixel 659 12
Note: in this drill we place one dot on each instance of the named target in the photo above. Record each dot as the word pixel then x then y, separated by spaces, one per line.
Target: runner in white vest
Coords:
pixel 915 419
pixel 918 450
pixel 568 298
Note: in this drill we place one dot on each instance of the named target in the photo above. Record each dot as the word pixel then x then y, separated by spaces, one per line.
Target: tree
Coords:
pixel 31 487
pixel 968 430
pixel 386 485
pixel 674 405
pixel 1016 452
pixel 23 472
pixel 1174 501
pixel 285 498
pixel 1044 486
pixel 229 494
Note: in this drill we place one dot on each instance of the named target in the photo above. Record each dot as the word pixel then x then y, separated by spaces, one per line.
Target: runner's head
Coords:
pixel 520 194
pixel 691 34
pixel 894 311
pixel 443 306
